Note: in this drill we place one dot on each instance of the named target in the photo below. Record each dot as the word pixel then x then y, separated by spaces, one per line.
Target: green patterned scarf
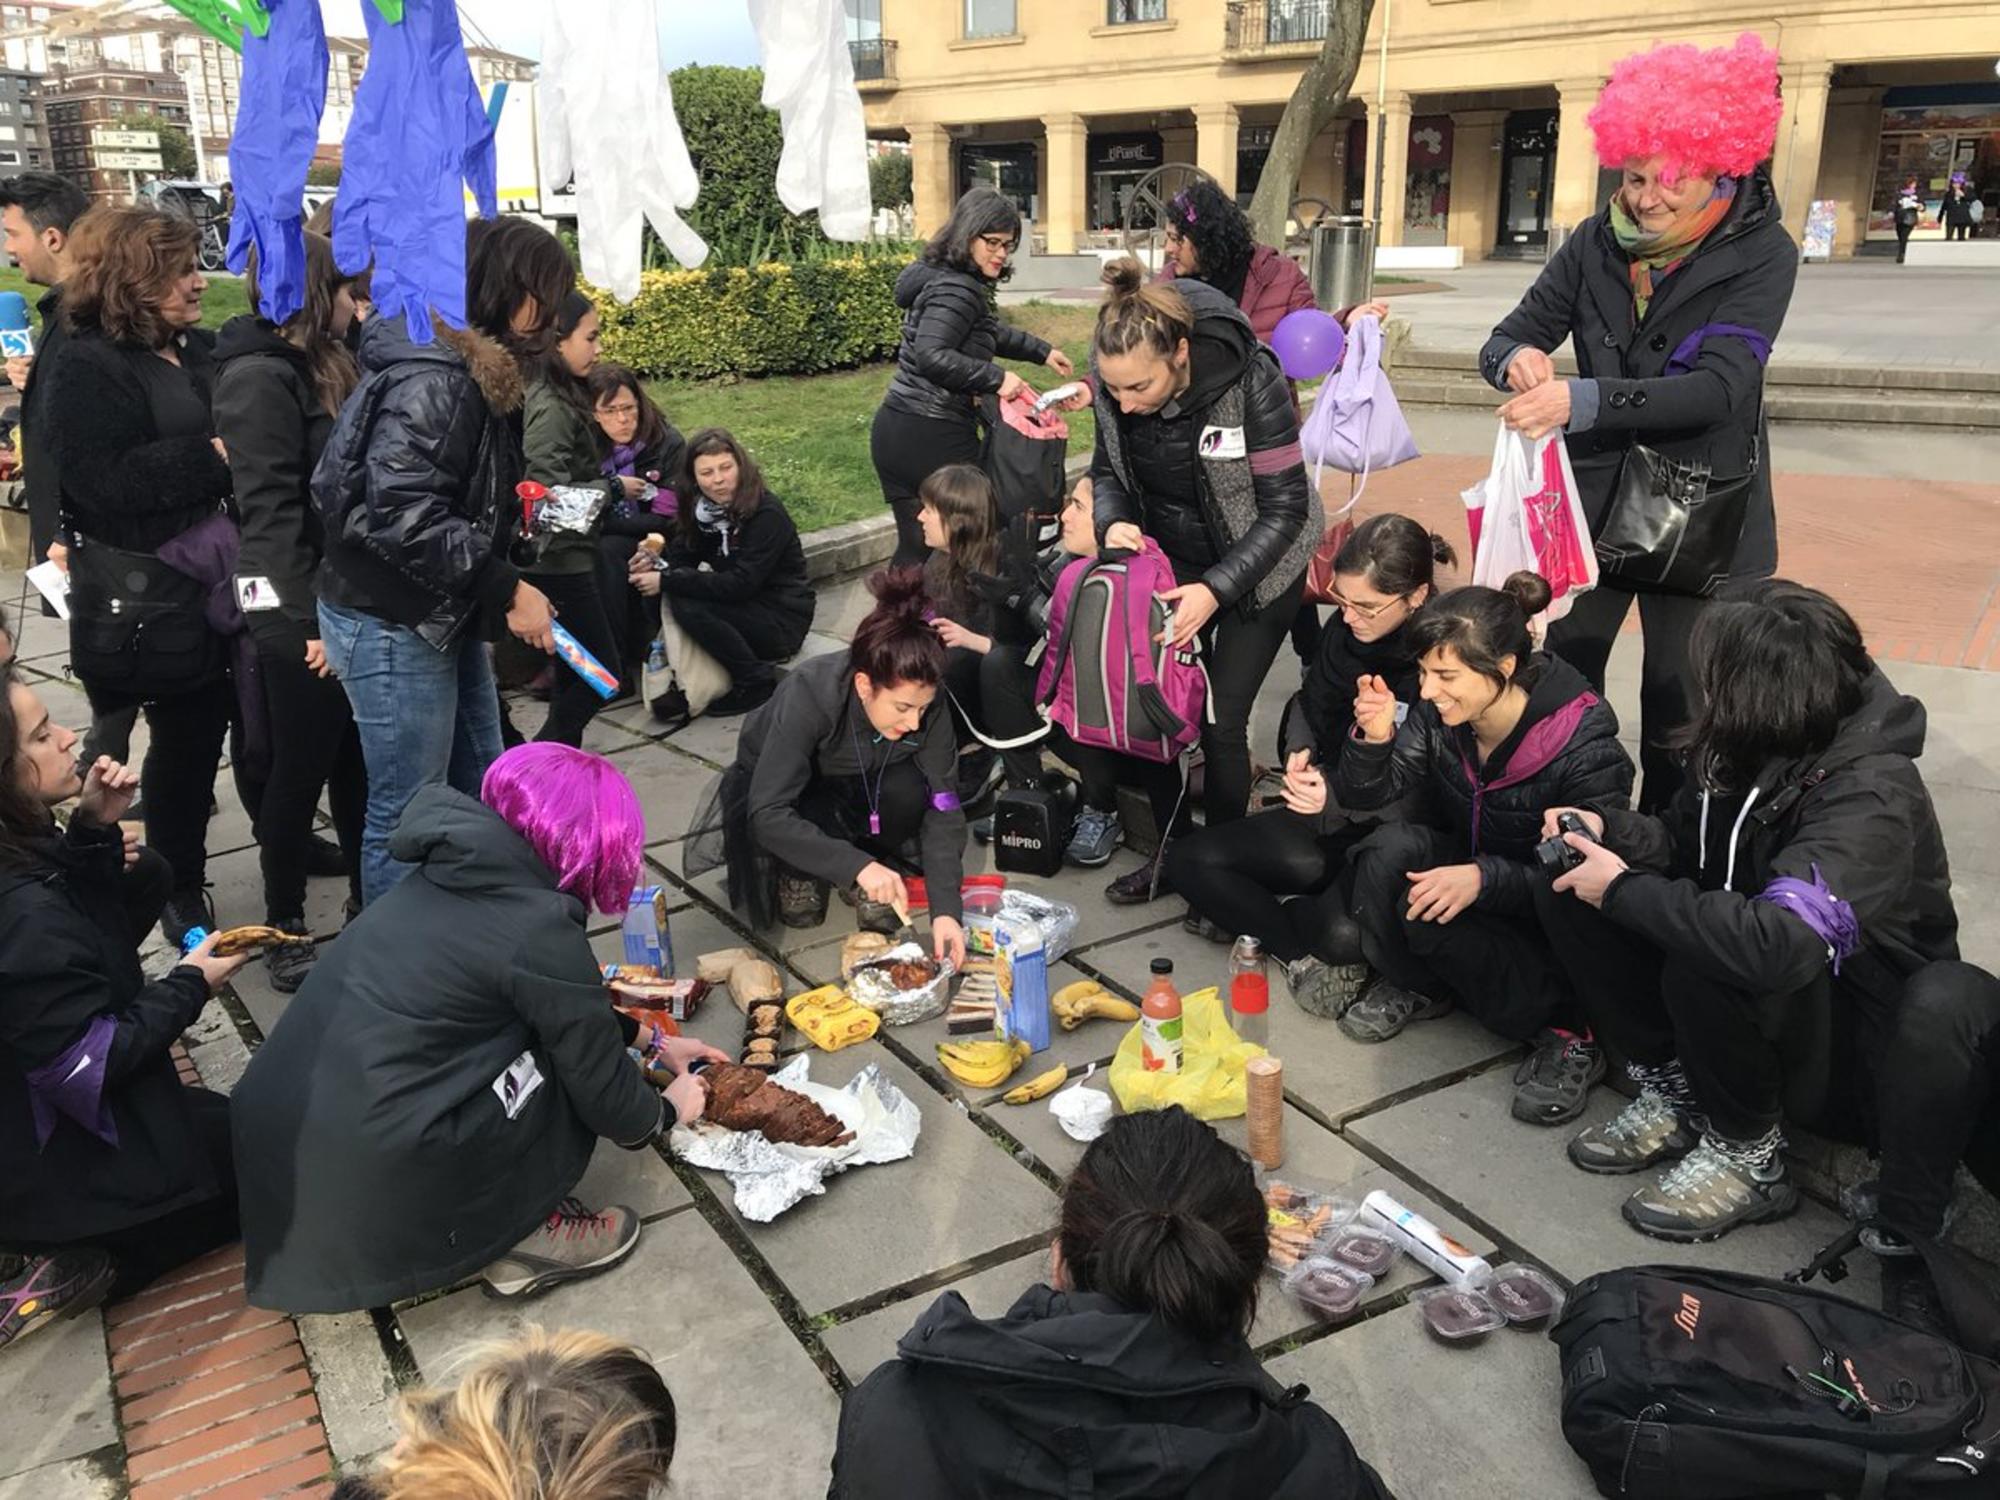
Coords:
pixel 1656 255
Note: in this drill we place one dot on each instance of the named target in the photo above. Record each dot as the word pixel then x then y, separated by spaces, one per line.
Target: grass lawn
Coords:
pixel 223 300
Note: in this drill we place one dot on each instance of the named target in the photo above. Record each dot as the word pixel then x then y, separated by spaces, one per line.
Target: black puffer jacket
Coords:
pixel 416 486
pixel 1858 814
pixel 951 336
pixel 1321 717
pixel 1563 753
pixel 1742 274
pixel 1073 1394
pixel 758 557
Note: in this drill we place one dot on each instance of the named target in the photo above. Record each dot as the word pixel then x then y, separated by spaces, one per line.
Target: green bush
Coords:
pixel 735 143
pixel 889 179
pixel 776 319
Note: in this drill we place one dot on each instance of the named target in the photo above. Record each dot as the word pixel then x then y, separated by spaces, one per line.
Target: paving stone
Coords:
pixel 756 1415
pixel 670 787
pixel 55 1397
pixel 354 1382
pixel 713 740
pixel 960 1196
pixel 641 1180
pixel 1462 1142
pixel 97 1478
pixel 870 1340
pixel 1427 1417
pixel 238 889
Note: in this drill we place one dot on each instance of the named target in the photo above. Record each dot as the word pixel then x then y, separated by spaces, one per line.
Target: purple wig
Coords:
pixel 578 812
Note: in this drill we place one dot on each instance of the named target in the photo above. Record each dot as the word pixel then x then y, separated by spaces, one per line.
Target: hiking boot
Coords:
pixel 1862 1204
pixel 1553 1082
pixel 185 911
pixel 876 916
pixel 671 707
pixel 1911 1296
pixel 1645 1132
pixel 1147 883
pixel 1384 1009
pixel 741 698
pixel 1708 1194
pixel 1093 840
pixel 573 1243
pixel 1323 989
pixel 1201 927
pixel 48 1288
pixel 288 964
pixel 801 899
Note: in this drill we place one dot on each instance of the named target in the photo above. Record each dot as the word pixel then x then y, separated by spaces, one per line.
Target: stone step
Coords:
pixel 1788 403
pixel 1782 372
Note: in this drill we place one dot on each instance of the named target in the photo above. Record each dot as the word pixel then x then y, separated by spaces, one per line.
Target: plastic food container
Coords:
pixel 1301 1221
pixel 1326 1286
pixel 1457 1317
pixel 1057 919
pixel 982 911
pixel 1524 1296
pixel 873 987
pixel 1363 1251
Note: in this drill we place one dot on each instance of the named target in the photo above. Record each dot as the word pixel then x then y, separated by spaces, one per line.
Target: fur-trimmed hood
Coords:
pixel 386 342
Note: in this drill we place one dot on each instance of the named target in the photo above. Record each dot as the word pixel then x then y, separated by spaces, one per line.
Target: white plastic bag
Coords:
pixel 702 678
pixel 1525 515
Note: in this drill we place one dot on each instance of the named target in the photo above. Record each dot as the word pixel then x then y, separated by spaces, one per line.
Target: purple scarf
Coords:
pixel 207 552
pixel 624 460
pixel 73 1085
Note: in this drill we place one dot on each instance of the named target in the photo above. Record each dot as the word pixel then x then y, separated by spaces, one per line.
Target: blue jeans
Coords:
pixel 425 716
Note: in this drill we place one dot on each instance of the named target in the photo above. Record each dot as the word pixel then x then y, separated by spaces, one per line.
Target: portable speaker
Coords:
pixel 1029 830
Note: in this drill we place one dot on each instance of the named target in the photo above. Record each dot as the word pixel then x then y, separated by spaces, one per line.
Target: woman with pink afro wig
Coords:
pixel 449 1067
pixel 1670 297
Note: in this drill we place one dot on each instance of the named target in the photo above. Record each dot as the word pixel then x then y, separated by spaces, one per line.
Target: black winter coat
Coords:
pixel 269 416
pixel 374 1154
pixel 1956 208
pixel 765 561
pixel 1858 813
pixel 1563 753
pixel 68 958
pixel 1321 718
pixel 951 336
pixel 1741 274
pixel 1073 1394
pixel 40 477
pixel 416 485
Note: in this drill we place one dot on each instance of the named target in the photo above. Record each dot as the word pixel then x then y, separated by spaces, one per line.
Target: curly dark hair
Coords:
pixel 1220 232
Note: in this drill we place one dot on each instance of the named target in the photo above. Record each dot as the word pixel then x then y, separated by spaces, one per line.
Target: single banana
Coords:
pixel 1038 1087
pixel 1100 1007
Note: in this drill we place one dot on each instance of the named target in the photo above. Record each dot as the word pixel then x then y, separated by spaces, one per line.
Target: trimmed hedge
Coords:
pixel 777 319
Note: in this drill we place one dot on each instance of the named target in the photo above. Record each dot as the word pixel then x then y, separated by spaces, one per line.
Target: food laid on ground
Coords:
pixel 1524 1296
pixel 715 967
pixel 982 1065
pixel 741 1098
pixel 972 1009
pixel 763 1027
pixel 1326 1286
pixel 902 984
pixel 641 987
pixel 857 948
pixel 831 1019
pixel 1300 1222
pixel 1358 1250
pixel 1039 1087
pixel 754 980
pixel 1086 1000
pixel 1457 1316
pixel 233 942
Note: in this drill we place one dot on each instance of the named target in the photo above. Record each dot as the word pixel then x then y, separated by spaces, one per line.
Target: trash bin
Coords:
pixel 1343 261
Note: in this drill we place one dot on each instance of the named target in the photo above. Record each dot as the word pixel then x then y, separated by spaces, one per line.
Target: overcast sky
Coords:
pixel 691 31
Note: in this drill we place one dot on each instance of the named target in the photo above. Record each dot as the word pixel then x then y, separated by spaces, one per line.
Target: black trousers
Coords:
pixel 573 703
pixel 749 638
pixel 634 617
pixel 146 1252
pixel 148 882
pixel 1957 231
pixel 1103 772
pixel 314 747
pixel 838 807
pixel 907 450
pixel 1584 638
pixel 1239 650
pixel 1903 231
pixel 1501 968
pixel 1935 1098
pixel 994 695
pixel 1276 876
pixel 110 734
pixel 177 781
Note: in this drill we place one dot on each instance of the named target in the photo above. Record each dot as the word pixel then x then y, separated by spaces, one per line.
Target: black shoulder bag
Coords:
pixel 137 626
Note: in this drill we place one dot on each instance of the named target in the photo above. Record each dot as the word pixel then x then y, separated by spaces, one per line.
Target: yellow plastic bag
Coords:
pixel 1209 1085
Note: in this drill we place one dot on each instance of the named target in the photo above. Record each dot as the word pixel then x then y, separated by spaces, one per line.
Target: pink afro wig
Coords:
pixel 578 813
pixel 1701 111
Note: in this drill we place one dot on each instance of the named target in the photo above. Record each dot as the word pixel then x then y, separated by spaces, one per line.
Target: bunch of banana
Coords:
pixel 981 1064
pixel 1086 999
pixel 1039 1087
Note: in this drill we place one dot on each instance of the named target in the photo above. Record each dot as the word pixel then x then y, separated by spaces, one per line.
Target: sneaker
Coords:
pixel 185 911
pixel 572 1244
pixel 801 899
pixel 48 1288
pixel 288 964
pixel 1553 1082
pixel 1642 1134
pixel 1707 1194
pixel 982 829
pixel 671 707
pixel 1093 840
pixel 1862 1204
pixel 1323 989
pixel 1147 883
pixel 1383 1009
pixel 323 857
pixel 741 698
pixel 1201 927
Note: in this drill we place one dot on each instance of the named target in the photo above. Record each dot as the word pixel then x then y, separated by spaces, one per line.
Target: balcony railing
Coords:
pixel 1255 27
pixel 874 60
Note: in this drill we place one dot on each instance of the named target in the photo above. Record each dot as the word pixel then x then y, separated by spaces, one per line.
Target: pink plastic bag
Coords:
pixel 1525 514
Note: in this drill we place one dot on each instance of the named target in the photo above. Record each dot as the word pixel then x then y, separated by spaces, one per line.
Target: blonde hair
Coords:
pixel 547 1416
pixel 1137 313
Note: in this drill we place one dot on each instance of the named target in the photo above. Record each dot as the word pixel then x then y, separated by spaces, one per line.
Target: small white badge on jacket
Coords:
pixel 1221 442
pixel 254 594
pixel 515 1087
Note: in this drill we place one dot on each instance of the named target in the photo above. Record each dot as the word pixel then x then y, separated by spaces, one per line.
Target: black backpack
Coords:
pixel 1684 1384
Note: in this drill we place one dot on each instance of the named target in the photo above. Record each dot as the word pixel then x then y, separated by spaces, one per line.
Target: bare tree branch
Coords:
pixel 1322 90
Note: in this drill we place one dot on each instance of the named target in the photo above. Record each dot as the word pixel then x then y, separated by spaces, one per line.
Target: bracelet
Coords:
pixel 656 1048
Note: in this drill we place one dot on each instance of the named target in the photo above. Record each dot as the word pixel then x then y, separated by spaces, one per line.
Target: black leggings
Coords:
pixel 177 781
pixel 838 807
pixel 994 695
pixel 1934 1093
pixel 907 450
pixel 314 745
pixel 1237 875
pixel 748 638
pixel 1239 651
pixel 147 1251
pixel 573 703
pixel 634 617
pixel 1102 772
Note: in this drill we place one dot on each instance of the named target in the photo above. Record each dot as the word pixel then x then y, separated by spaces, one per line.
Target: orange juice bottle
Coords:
pixel 1160 1021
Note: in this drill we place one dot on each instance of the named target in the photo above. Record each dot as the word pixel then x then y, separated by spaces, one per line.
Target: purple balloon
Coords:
pixel 1308 343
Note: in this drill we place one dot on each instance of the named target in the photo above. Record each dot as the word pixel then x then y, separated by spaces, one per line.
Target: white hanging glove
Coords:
pixel 809 80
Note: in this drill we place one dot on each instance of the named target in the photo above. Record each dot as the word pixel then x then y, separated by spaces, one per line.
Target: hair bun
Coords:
pixel 1124 276
pixel 1442 552
pixel 900 591
pixel 1529 590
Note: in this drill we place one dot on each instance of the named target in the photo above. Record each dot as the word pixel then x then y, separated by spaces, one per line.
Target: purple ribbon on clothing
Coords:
pixel 73 1085
pixel 1682 359
pixel 944 801
pixel 1832 920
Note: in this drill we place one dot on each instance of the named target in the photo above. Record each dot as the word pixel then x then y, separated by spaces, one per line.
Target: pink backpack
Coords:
pixel 1105 678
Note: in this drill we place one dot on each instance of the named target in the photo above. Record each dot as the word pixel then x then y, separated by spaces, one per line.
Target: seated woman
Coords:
pixel 1447 911
pixel 1238 876
pixel 1749 951
pixel 451 1063
pixel 574 1413
pixel 639 443
pixel 959 515
pixel 1140 1331
pixel 112 1172
pixel 852 760
pixel 733 574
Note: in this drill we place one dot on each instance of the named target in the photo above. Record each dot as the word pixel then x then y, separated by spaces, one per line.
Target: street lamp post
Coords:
pixel 1382 111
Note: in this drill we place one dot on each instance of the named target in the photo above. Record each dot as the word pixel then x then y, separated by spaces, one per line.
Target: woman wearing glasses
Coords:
pixel 639 443
pixel 1278 877
pixel 945 363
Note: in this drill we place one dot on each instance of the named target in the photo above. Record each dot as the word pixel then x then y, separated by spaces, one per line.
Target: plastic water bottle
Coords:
pixel 656 656
pixel 192 939
pixel 1250 991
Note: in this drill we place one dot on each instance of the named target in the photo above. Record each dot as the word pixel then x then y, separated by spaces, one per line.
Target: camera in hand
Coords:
pixel 1554 855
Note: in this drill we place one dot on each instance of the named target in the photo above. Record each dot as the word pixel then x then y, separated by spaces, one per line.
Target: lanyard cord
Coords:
pixel 874 795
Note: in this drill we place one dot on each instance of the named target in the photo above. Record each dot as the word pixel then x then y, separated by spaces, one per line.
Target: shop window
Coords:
pixel 1931 133
pixel 1008 168
pixel 1253 149
pixel 1117 164
pixel 10 158
pixel 989 18
pixel 1427 199
pixel 1133 12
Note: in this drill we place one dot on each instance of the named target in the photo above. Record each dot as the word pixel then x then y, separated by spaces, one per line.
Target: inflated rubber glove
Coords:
pixel 419 138
pixel 282 95
pixel 809 81
pixel 607 120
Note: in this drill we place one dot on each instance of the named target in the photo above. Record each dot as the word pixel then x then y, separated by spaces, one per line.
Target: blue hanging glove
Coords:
pixel 277 128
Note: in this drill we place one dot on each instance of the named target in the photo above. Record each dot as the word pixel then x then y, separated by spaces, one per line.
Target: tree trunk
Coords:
pixel 1321 92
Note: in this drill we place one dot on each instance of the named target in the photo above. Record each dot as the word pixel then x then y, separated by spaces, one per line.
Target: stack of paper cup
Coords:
pixel 1264 1083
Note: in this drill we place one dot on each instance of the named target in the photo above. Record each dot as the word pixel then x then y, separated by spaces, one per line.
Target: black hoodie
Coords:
pixel 1072 1394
